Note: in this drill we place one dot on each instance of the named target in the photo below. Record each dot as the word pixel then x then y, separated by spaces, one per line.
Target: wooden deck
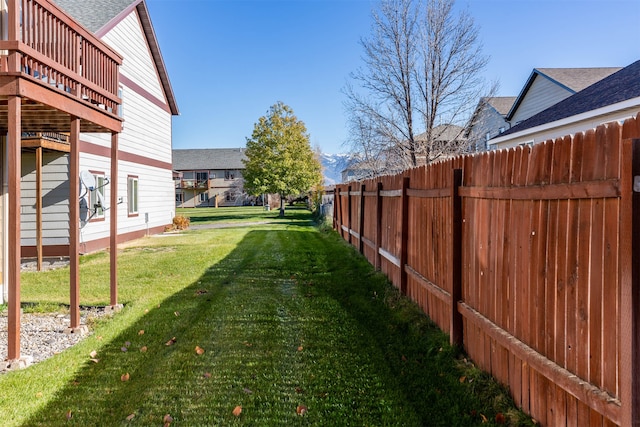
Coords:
pixel 55 76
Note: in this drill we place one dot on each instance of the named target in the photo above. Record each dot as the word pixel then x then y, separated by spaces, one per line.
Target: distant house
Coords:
pixel 446 140
pixel 489 120
pixel 144 201
pixel 548 86
pixel 613 98
pixel 209 177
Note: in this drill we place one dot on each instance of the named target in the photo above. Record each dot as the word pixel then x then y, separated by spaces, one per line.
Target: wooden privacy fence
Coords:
pixel 525 257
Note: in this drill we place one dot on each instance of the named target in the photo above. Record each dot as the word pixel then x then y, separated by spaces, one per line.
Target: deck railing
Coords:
pixel 39 40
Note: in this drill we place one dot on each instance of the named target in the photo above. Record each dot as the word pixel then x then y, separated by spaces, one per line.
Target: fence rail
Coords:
pixel 524 257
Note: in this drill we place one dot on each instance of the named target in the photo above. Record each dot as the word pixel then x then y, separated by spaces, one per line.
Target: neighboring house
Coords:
pixel 548 86
pixel 488 120
pixel 614 98
pixel 359 170
pixel 209 177
pixel 145 191
pixel 446 141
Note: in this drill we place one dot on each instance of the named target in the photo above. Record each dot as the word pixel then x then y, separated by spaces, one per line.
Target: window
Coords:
pixel 228 174
pixel 132 195
pixel 212 175
pixel 201 176
pixel 204 197
pixel 179 198
pixel 96 210
pixel 487 137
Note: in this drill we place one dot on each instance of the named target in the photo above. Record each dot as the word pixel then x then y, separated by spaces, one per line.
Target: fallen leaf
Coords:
pixel 39 394
pixel 248 344
pixel 484 419
pixel 404 359
pixel 69 414
pixel 299 390
pixel 125 377
pixel 300 348
pixel 127 344
pixel 199 350
pixel 167 420
pixel 201 291
pixel 500 418
pixel 143 349
pixel 237 411
pixel 301 410
pixel 99 337
pixel 462 379
pixel 95 360
pixel 172 341
pixel 130 417
pixel 246 390
pixel 124 349
pixel 176 313
pixel 146 310
pixel 93 354
pixel 141 332
pixel 207 375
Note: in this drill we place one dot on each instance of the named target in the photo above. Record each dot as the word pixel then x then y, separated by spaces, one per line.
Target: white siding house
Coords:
pixel 614 98
pixel 145 202
pixel 548 86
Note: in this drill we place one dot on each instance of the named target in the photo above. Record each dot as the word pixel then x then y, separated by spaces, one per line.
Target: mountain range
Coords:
pixel 332 167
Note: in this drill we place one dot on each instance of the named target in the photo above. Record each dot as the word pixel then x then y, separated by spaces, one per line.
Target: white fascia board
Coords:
pixel 620 106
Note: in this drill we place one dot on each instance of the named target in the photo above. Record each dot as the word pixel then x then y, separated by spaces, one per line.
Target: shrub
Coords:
pixel 179 223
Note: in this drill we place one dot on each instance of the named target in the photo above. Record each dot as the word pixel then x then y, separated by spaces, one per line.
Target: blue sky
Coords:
pixel 229 61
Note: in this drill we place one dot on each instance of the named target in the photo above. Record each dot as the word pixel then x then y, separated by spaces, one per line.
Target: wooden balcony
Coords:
pixel 192 184
pixel 58 68
pixel 55 77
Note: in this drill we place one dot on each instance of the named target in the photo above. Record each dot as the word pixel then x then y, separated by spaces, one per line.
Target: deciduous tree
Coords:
pixel 279 156
pixel 422 69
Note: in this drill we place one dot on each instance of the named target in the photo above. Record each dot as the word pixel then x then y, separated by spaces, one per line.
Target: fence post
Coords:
pixel 361 223
pixel 349 214
pixel 456 333
pixel 336 195
pixel 378 225
pixel 630 286
pixel 404 236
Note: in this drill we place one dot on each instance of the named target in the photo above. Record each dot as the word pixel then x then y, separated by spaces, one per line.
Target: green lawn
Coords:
pixel 241 214
pixel 283 320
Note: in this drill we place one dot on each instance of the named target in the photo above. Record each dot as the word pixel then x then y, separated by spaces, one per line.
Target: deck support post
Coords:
pixel 113 210
pixel 74 221
pixel 39 207
pixel 14 167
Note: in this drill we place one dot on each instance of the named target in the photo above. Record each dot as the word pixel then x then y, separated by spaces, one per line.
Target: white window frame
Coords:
pixel 93 197
pixel 132 195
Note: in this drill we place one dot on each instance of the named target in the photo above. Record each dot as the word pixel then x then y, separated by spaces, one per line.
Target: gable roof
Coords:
pixel 571 79
pixel 502 104
pixel 208 158
pixel 618 87
pixel 100 16
pixel 444 133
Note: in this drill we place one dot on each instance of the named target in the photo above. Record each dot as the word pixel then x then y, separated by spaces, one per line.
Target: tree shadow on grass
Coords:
pixel 288 320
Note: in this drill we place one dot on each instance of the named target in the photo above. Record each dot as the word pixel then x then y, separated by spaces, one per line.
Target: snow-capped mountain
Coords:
pixel 333 165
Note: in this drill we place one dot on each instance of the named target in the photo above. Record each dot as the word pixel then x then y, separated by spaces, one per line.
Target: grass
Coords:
pixel 288 316
pixel 242 214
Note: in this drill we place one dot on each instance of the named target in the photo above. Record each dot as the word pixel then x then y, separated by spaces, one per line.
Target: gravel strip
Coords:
pixel 43 335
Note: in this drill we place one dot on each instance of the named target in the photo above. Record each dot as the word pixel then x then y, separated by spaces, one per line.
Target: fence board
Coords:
pixel 544 266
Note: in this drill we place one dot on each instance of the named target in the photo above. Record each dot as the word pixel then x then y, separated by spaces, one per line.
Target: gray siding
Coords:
pixel 542 94
pixel 55 199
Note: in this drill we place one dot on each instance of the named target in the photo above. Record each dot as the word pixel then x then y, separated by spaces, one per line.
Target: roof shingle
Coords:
pixel 208 159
